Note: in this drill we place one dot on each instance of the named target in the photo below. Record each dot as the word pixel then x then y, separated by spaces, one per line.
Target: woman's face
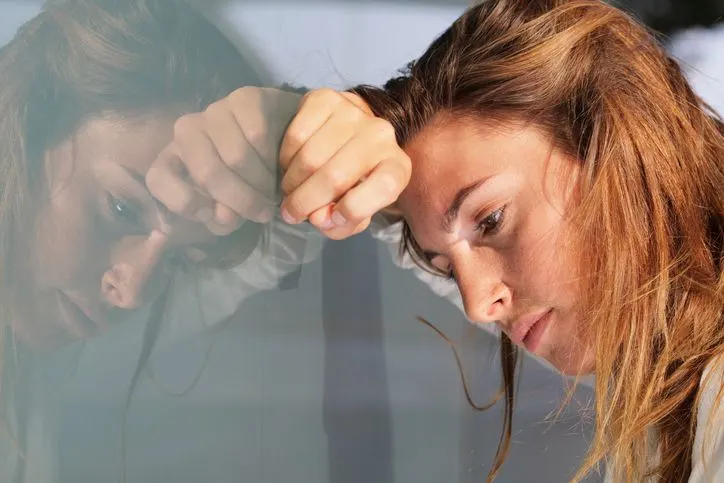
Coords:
pixel 104 246
pixel 487 203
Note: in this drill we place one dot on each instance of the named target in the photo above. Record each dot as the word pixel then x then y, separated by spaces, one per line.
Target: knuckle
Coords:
pixel 353 114
pixel 152 178
pixel 307 162
pixel 246 203
pixel 185 124
pixel 335 177
pixel 181 202
pixel 326 94
pixel 382 129
pixel 296 135
pixel 358 102
pixel 241 94
pixel 388 185
pixel 307 96
pixel 216 108
pixel 234 155
pixel 255 133
pixel 203 174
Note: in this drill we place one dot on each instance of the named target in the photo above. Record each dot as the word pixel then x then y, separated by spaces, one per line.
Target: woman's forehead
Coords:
pixel 133 143
pixel 448 155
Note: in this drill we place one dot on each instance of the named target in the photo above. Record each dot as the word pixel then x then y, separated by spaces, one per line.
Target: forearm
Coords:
pixel 206 297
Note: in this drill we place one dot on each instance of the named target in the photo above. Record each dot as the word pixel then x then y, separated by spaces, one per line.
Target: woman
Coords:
pixel 558 167
pixel 89 94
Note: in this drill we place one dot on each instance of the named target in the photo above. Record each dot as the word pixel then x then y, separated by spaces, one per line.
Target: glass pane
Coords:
pixel 308 373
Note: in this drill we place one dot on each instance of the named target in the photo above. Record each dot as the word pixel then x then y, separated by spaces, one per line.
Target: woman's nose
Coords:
pixel 138 274
pixel 485 296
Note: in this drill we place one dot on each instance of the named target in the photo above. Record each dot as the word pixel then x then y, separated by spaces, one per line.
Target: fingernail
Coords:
pixel 287 217
pixel 205 215
pixel 327 224
pixel 338 218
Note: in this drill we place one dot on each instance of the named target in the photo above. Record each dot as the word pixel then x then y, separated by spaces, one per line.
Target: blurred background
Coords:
pixel 333 380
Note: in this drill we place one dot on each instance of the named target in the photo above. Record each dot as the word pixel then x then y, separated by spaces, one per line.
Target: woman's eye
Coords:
pixel 492 223
pixel 123 210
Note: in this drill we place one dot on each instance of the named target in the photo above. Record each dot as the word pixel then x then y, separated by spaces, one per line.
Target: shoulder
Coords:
pixel 708 451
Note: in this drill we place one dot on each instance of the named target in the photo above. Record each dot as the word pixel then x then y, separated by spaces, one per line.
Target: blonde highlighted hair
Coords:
pixel 650 221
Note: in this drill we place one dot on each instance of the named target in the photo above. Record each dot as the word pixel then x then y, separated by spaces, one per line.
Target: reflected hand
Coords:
pixel 342 164
pixel 221 167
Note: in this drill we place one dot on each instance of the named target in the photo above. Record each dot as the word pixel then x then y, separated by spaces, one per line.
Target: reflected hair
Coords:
pixel 80 59
pixel 649 223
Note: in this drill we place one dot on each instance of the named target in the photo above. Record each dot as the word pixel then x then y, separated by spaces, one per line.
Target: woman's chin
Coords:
pixel 575 363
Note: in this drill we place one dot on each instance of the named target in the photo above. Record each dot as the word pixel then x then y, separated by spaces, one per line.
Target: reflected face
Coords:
pixel 104 246
pixel 487 204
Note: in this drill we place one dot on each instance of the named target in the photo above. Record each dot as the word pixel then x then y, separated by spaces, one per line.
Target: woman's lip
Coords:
pixel 524 325
pixel 535 334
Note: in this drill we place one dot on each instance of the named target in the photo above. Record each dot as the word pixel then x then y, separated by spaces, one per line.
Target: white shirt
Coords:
pixel 707 457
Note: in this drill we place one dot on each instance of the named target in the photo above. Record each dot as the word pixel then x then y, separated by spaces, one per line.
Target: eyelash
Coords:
pixel 116 207
pixel 486 231
pixel 500 213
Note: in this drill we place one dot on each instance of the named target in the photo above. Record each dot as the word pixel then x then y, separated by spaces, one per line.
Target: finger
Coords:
pixel 342 232
pixel 264 115
pixel 167 181
pixel 329 139
pixel 350 165
pixel 322 218
pixel 314 110
pixel 235 150
pixel 211 174
pixel 224 215
pixel 222 230
pixel 357 101
pixel 381 188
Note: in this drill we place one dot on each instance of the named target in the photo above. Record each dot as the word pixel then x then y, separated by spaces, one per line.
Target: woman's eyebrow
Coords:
pixel 137 177
pixel 140 180
pixel 452 213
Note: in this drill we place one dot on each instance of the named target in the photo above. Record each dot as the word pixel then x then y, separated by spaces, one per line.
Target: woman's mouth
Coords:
pixel 533 338
pixel 529 330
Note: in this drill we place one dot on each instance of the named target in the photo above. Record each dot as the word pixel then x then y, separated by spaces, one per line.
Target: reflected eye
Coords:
pixel 123 210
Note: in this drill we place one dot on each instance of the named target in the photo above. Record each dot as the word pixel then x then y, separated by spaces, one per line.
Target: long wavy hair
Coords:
pixel 650 221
